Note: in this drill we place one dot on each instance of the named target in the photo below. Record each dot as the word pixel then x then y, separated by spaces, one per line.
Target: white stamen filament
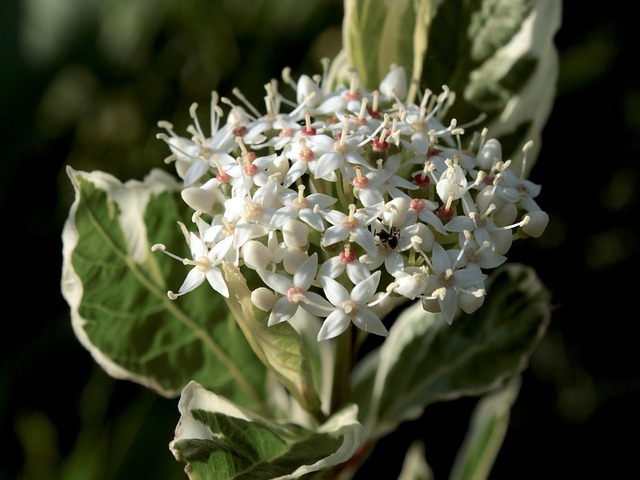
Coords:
pixel 363 109
pixel 236 91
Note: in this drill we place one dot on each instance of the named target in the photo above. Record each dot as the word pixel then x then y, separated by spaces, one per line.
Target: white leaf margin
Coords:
pixel 132 198
pixel 535 101
pixel 195 397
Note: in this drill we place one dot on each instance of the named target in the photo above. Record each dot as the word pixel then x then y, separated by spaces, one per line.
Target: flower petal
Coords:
pixel 334 325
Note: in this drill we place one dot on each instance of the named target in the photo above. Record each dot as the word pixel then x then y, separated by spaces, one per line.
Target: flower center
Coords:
pixel 347 254
pixel 351 221
pixel 446 278
pixel 350 307
pixel 360 181
pixel 417 204
pixel 252 211
pixel 203 263
pixel 300 202
pixel 295 295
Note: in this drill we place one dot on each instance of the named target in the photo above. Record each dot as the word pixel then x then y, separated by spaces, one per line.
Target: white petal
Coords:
pixel 364 290
pixel 439 259
pixel 334 325
pixel 295 172
pixel 279 283
pixel 335 234
pixel 216 280
pixel 306 273
pixel 369 322
pixel 282 311
pixel 313 219
pixel 449 304
pixel 193 279
pixel 332 268
pixel 334 292
pixel 318 306
pixel 357 272
pixel 466 278
pixel 328 163
pixel 198 248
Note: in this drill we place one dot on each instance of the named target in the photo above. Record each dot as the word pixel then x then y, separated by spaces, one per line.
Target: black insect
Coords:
pixel 389 238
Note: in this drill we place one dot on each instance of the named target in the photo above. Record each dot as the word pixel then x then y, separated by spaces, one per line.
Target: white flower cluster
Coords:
pixel 349 202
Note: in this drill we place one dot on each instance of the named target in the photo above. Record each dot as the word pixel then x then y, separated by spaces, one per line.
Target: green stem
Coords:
pixel 342 371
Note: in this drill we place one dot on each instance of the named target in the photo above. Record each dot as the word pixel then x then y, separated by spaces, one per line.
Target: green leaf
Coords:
pixel 219 440
pixel 425 360
pixel 378 34
pixel 489 423
pixel 116 289
pixel 280 347
pixel 499 57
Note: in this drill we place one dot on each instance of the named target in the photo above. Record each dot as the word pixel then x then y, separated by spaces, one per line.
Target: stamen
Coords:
pixel 353 93
pixel 363 111
pixel 308 129
pixel 341 145
pixel 300 202
pixel 159 247
pixel 221 176
pixel 384 296
pixel 246 154
pixel 236 91
pixel 351 221
pixel 374 112
pixel 525 221
pixel 347 254
pixel 286 77
pixel 360 181
pixel 306 154
pixel 295 295
pixel 192 113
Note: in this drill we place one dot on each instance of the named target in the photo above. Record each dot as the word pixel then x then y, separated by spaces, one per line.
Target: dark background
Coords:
pixel 84 85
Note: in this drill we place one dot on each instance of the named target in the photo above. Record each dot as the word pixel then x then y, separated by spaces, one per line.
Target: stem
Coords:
pixel 342 371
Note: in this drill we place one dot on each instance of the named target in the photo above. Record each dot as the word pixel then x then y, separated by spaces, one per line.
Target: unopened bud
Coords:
pixel 295 234
pixel 537 224
pixel 256 255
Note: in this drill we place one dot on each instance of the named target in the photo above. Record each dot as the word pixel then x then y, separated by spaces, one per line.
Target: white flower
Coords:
pixel 345 261
pixel 351 308
pixel 308 208
pixel 205 267
pixel 351 227
pixel 294 292
pixel 446 281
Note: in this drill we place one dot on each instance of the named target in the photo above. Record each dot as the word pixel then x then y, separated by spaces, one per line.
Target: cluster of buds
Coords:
pixel 349 202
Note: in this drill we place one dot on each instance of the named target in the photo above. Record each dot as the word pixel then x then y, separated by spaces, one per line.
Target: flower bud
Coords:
pixel 470 302
pixel 263 298
pixel 489 153
pixel 426 237
pixel 506 214
pixel 295 234
pixel 256 255
pixel 292 259
pixel 394 84
pixel 280 166
pixel 395 212
pixel 307 87
pixel 201 198
pixel 501 241
pixel 537 224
